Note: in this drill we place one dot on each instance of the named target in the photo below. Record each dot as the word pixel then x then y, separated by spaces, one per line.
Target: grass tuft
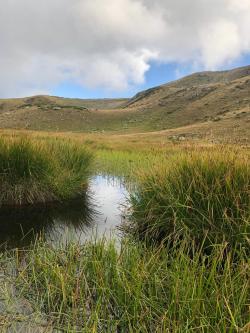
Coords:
pixel 38 171
pixel 205 195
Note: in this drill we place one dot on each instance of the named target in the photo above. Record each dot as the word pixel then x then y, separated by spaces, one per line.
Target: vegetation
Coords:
pixel 38 171
pixel 185 200
pixel 204 106
pixel 206 195
pixel 98 288
pixel 125 163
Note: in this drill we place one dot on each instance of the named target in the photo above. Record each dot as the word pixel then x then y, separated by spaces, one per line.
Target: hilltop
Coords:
pixel 193 106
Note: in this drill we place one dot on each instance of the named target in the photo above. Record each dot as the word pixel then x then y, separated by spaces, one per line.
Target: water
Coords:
pixel 97 214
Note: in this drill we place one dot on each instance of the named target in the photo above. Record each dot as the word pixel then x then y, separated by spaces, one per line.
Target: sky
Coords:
pixel 115 48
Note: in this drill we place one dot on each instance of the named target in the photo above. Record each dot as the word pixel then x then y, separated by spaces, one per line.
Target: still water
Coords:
pixel 98 214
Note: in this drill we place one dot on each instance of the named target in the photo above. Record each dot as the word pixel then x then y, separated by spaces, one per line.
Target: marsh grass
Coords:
pixel 205 195
pixel 99 288
pixel 37 171
pixel 184 202
pixel 126 164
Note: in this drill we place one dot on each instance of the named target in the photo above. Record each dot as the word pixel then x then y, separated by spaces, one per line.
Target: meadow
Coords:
pixel 182 265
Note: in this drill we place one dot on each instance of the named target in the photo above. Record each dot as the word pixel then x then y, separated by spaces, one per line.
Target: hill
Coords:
pixel 206 101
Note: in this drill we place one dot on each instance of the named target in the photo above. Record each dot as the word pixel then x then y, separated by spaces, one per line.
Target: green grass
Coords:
pixel 98 288
pixel 38 171
pixel 184 200
pixel 126 163
pixel 204 194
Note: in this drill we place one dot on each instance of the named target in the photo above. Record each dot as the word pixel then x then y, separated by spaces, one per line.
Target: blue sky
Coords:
pixel 159 73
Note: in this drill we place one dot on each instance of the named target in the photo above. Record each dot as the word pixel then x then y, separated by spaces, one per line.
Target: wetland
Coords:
pixel 179 265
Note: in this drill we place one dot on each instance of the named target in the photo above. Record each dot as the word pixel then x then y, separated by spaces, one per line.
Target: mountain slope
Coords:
pixel 202 79
pixel 217 99
pixel 201 97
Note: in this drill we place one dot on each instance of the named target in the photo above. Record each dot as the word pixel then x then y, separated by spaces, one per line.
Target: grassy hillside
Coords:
pixel 217 102
pixel 201 97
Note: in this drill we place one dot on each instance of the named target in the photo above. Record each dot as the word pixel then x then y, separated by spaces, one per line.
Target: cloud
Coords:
pixel 111 43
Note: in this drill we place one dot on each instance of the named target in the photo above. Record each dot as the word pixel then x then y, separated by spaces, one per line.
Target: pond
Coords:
pixel 96 215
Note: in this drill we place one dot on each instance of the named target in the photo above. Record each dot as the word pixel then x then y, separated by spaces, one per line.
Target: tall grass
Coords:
pixel 206 195
pixel 98 288
pixel 35 171
pixel 186 204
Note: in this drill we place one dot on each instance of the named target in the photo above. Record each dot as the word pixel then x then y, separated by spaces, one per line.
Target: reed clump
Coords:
pixel 205 195
pixel 38 171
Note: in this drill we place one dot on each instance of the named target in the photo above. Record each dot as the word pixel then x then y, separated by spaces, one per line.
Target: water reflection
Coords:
pixel 96 214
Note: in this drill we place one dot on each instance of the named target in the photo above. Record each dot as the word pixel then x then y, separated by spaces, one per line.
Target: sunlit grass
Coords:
pixel 33 170
pixel 205 194
pixel 185 199
pixel 126 163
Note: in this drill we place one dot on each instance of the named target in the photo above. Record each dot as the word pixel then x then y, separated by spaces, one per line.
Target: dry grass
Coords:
pixel 210 107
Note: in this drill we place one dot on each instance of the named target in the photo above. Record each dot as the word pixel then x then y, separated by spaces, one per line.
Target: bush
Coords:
pixel 205 195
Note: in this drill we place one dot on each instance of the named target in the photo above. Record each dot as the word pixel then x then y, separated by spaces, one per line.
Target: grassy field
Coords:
pixel 171 283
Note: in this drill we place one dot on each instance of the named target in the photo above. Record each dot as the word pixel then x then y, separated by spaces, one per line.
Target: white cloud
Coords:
pixel 110 43
pixel 220 44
